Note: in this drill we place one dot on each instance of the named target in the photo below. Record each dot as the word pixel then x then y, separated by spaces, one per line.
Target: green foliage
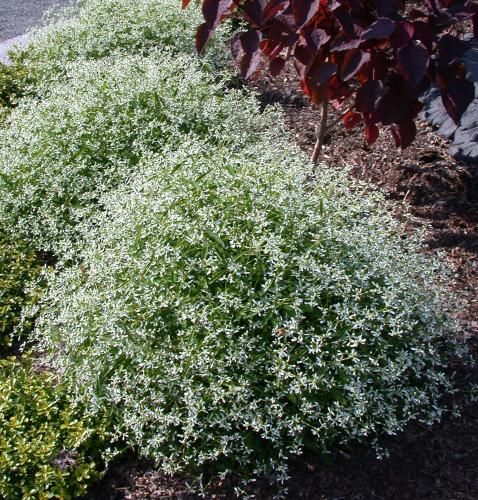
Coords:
pixel 59 154
pixel 234 314
pixel 95 29
pixel 48 448
pixel 231 313
pixel 20 285
pixel 13 81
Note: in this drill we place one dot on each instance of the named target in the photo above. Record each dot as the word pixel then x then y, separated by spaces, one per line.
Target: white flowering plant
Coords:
pixel 59 154
pixel 232 315
pixel 226 312
pixel 94 29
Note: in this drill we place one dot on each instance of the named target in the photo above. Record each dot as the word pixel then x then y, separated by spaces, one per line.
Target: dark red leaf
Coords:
pixel 316 38
pixel 413 63
pixel 203 33
pixel 395 135
pixel 457 97
pixel 460 12
pixel 387 8
pixel 333 5
pixel 461 71
pixel 343 41
pixel 252 11
pixel 433 6
pixel 249 64
pixel 185 3
pixel 451 49
pixel 213 10
pixel 279 32
pixel 353 61
pixel 250 41
pixel 303 60
pixel 338 91
pixel 345 20
pixel 380 65
pixel 381 28
pixel 371 134
pixel 351 119
pixel 368 96
pixel 276 65
pixel 423 32
pixel 316 93
pixel 325 71
pixel 274 8
pixel 402 35
pixel 271 48
pixel 304 11
pixel 396 105
pixel 404 134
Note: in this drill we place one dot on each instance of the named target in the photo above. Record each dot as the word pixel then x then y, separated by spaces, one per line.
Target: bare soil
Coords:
pixel 440 462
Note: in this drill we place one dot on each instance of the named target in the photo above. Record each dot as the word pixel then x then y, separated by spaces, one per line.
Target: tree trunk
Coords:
pixel 321 132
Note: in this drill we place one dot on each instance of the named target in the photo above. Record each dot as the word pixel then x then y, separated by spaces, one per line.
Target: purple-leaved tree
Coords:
pixel 371 59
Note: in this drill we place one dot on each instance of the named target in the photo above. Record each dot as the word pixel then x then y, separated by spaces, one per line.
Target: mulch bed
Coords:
pixel 440 462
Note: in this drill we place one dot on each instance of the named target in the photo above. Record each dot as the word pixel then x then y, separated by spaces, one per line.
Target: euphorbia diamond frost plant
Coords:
pixel 378 56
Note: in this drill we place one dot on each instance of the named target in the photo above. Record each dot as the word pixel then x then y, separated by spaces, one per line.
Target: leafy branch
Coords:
pixel 383 54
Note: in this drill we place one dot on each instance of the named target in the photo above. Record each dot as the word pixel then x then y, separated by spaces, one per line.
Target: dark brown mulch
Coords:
pixel 442 192
pixel 440 462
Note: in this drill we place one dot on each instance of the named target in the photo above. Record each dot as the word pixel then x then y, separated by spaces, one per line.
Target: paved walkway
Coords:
pixel 17 17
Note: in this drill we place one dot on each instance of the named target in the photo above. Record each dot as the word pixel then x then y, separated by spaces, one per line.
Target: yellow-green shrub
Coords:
pixel 48 449
pixel 13 82
pixel 19 266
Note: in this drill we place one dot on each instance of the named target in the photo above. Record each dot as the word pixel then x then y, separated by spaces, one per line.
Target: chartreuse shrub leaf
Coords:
pixel 14 84
pixel 234 314
pixel 20 285
pixel 49 447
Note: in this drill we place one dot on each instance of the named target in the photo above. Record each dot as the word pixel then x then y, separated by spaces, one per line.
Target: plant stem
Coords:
pixel 320 133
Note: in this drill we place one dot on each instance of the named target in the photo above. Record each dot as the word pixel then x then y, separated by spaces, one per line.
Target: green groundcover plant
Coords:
pixel 94 29
pixel 58 155
pixel 14 84
pixel 13 80
pixel 48 447
pixel 234 315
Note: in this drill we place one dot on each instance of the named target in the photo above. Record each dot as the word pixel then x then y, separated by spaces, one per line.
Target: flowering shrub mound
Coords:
pixel 59 154
pixel 233 314
pixel 95 29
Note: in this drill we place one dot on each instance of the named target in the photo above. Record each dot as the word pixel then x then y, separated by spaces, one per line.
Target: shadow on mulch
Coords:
pixel 439 462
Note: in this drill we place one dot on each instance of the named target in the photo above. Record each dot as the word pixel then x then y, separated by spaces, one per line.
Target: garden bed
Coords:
pixel 275 320
pixel 432 463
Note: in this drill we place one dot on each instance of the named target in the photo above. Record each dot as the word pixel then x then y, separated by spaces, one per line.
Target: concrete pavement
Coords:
pixel 17 17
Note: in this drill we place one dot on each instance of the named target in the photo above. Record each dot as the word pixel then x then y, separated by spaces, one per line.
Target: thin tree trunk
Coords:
pixel 320 132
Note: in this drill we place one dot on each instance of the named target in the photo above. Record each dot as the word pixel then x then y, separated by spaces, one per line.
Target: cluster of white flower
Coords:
pixel 226 311
pixel 60 153
pixel 232 315
pixel 92 29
